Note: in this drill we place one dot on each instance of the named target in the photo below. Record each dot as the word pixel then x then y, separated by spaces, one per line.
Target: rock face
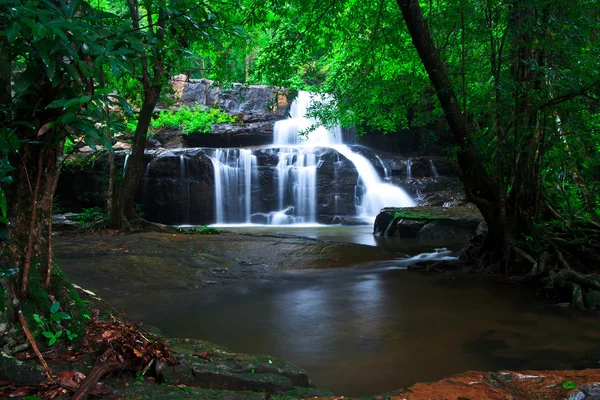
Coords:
pixel 178 187
pixel 429 223
pixel 257 107
pixel 252 103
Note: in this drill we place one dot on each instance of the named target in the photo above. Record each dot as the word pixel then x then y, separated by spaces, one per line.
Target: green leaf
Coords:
pixel 58 334
pixel 3 202
pixel 57 103
pixel 48 335
pixel 123 102
pixel 26 79
pixel 39 31
pixel 52 341
pixel 12 32
pixel 569 385
pixel 55 307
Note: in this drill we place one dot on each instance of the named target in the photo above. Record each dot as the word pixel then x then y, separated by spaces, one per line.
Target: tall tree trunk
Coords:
pixel 123 205
pixel 479 187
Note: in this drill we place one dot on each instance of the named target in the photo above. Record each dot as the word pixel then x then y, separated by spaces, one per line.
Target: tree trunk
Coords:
pixel 479 187
pixel 123 206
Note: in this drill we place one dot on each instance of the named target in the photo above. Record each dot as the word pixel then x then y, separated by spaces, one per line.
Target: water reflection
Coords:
pixel 371 330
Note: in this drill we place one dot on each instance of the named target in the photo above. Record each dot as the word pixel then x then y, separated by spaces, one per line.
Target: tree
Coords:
pixel 52 54
pixel 528 90
pixel 167 29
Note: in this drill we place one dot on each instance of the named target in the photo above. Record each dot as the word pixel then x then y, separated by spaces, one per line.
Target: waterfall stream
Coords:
pixel 296 141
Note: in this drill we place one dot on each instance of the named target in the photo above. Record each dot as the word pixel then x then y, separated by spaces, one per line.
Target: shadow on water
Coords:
pixel 377 327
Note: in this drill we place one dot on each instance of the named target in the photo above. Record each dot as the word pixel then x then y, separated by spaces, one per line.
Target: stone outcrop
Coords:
pixel 178 188
pixel 452 224
pixel 252 103
pixel 178 184
pixel 214 367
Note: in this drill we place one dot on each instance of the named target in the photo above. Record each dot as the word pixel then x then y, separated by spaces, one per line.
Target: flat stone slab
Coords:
pixel 215 367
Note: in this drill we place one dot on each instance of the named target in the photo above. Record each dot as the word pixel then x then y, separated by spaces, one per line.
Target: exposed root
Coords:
pixel 31 340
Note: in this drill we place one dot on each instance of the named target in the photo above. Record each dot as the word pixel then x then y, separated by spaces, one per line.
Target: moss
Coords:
pixel 38 301
pixel 16 371
pixel 70 300
pixel 407 214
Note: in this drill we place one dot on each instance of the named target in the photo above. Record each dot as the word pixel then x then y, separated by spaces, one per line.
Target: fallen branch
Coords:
pixel 31 340
pixel 99 370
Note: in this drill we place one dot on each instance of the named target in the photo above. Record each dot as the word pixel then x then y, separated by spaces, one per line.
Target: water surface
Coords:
pixel 375 327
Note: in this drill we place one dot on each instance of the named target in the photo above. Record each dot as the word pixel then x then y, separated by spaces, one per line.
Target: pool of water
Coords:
pixel 375 327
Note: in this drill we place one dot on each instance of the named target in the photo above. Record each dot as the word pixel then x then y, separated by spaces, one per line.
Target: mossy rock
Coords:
pixel 219 368
pixel 17 371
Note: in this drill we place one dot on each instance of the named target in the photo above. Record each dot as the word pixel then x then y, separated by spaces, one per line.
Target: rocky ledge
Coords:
pixel 430 223
pixel 523 385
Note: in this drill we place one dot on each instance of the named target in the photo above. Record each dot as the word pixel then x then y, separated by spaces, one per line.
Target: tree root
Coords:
pixel 99 370
pixel 31 340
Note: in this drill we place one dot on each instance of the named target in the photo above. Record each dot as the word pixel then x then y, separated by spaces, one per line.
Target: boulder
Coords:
pixel 450 224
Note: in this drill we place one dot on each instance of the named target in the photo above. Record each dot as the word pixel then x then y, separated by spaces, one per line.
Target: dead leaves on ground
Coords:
pixel 115 341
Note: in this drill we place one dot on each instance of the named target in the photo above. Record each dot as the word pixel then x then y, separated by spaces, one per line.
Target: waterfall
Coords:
pixel 125 164
pixel 434 170
pixel 185 185
pixel 295 142
pixel 233 184
pixel 386 170
pixel 371 193
pixel 409 164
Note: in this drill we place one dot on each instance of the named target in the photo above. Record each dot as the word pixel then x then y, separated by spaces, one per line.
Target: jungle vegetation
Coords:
pixel 517 83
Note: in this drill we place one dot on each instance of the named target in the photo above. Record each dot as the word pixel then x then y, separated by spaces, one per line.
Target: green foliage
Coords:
pixel 92 218
pixel 205 230
pixel 191 119
pixel 569 385
pixel 52 328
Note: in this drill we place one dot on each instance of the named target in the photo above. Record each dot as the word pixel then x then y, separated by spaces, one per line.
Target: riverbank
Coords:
pixel 347 313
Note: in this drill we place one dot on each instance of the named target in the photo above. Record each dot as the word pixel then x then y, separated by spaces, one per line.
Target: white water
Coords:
pixel 434 170
pixel 296 140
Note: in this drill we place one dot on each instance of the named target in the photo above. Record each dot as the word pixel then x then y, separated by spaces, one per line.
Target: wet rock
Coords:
pixel 177 188
pixel 16 371
pixel 215 367
pixel 428 223
pixel 592 300
pixel 65 222
pixel 525 385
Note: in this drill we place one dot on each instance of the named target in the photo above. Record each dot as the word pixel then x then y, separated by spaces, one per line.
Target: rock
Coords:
pixel 153 391
pixel 178 188
pixel 65 222
pixel 255 102
pixel 428 223
pixel 214 367
pixel 576 296
pixel 23 373
pixel 592 300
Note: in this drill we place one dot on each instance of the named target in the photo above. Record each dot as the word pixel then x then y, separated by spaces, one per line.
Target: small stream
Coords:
pixel 376 327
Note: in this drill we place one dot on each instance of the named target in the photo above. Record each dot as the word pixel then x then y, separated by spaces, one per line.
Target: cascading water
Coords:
pixel 233 184
pixel 296 141
pixel 409 164
pixel 434 170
